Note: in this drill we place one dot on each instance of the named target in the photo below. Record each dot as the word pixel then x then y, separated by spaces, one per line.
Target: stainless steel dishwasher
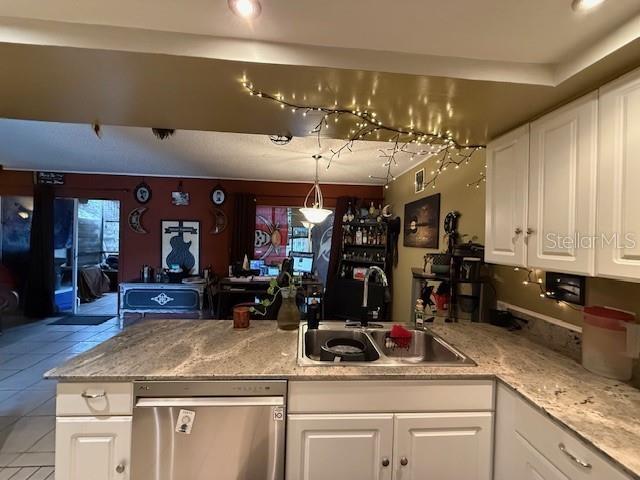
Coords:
pixel 223 430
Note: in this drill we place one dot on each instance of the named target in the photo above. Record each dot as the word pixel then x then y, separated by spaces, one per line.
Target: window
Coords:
pixel 282 230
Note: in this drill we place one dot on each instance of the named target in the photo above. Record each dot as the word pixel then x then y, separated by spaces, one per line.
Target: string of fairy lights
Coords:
pixel 533 279
pixel 417 144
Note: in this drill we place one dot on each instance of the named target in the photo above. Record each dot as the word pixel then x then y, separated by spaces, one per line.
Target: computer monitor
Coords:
pixel 302 262
pixel 256 264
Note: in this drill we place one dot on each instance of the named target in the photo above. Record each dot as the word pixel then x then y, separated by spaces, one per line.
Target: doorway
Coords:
pixel 86 256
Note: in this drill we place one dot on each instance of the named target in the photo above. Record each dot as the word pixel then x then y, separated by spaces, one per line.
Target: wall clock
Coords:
pixel 142 193
pixel 218 195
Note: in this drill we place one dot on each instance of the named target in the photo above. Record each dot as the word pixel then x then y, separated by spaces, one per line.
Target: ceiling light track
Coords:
pixel 406 140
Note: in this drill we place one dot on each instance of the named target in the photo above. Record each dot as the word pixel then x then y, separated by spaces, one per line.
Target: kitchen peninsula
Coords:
pixel 594 419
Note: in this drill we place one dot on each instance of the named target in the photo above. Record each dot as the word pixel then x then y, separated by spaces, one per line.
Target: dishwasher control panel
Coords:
pixel 239 388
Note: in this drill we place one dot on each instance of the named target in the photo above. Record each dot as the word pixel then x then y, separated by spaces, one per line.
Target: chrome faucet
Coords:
pixel 365 294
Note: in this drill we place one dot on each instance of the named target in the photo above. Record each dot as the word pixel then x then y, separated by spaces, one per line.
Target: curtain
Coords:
pixel 40 288
pixel 342 203
pixel 244 226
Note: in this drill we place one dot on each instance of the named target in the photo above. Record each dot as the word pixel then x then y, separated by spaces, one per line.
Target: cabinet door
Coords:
pixel 96 448
pixel 530 464
pixel 506 201
pixel 443 446
pixel 619 179
pixel 562 189
pixel 337 447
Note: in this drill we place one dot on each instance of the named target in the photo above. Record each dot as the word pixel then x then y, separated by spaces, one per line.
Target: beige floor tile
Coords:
pixel 46 385
pixel 7 373
pixel 40 347
pixel 43 473
pixel 4 394
pixel 24 360
pixel 45 444
pixel 24 433
pixel 34 460
pixel 7 458
pixel 24 473
pixel 23 402
pixel 6 421
pixel 47 408
pixel 7 472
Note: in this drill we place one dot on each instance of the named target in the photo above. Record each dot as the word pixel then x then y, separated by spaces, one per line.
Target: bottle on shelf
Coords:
pixel 365 236
pixel 358 236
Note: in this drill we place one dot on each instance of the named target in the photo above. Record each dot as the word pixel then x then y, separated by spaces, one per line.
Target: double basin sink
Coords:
pixel 424 348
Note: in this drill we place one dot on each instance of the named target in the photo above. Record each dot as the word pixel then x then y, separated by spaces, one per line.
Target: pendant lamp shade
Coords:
pixel 315 213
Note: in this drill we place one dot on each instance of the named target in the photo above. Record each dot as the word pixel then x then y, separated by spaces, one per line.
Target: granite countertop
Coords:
pixel 603 412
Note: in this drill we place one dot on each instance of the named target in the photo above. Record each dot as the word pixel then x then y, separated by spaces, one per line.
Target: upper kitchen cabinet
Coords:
pixel 562 186
pixel 506 207
pixel 618 253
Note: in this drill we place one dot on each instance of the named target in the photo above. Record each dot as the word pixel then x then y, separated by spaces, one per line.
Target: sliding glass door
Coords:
pixel 65 258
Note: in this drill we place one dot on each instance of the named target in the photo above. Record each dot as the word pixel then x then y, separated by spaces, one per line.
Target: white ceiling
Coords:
pixel 524 31
pixel 66 147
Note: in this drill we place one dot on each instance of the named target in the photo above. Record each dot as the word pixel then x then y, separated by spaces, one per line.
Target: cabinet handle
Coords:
pixel 120 468
pixel 582 463
pixel 530 231
pixel 518 231
pixel 92 395
pixel 404 461
pixel 385 462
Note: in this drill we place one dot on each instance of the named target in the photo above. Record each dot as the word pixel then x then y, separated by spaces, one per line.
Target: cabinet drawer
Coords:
pixel 390 396
pixel 94 399
pixel 549 439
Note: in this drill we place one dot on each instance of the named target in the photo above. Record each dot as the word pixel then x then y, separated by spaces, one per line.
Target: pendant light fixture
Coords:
pixel 315 213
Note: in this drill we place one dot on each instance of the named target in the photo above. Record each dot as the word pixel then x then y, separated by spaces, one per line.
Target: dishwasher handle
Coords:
pixel 210 402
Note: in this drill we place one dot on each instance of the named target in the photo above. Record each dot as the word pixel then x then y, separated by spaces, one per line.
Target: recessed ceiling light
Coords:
pixel 247 9
pixel 581 5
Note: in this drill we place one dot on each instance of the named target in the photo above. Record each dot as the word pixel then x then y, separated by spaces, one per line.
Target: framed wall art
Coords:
pixel 419 181
pixel 181 245
pixel 422 222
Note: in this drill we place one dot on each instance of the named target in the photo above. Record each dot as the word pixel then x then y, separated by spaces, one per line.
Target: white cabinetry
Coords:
pixel 562 185
pixel 619 179
pixel 531 446
pixel 354 447
pixel 541 183
pixel 96 448
pixel 331 434
pixel 93 431
pixel 446 446
pixel 506 208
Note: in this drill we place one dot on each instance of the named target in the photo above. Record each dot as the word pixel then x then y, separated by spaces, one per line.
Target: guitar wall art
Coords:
pixel 181 245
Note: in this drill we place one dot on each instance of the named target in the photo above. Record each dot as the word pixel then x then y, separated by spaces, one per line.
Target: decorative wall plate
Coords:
pixel 219 221
pixel 135 219
pixel 218 195
pixel 142 193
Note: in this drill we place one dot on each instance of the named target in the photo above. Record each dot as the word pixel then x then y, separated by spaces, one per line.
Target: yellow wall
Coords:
pixel 470 202
pixel 455 195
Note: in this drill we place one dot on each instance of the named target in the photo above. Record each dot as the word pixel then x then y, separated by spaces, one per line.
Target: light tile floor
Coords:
pixel 27 401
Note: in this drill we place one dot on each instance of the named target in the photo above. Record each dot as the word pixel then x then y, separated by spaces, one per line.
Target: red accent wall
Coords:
pixel 138 249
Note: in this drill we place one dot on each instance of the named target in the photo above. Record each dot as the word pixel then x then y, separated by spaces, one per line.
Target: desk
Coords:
pixel 232 291
pixel 138 297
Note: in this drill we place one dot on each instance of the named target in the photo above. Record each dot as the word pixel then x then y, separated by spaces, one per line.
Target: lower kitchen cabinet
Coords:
pixel 530 464
pixel 443 446
pixel 406 446
pixel 530 446
pixel 339 446
pixel 96 448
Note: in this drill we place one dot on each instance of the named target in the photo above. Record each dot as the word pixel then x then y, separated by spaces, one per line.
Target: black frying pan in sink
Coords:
pixel 343 350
